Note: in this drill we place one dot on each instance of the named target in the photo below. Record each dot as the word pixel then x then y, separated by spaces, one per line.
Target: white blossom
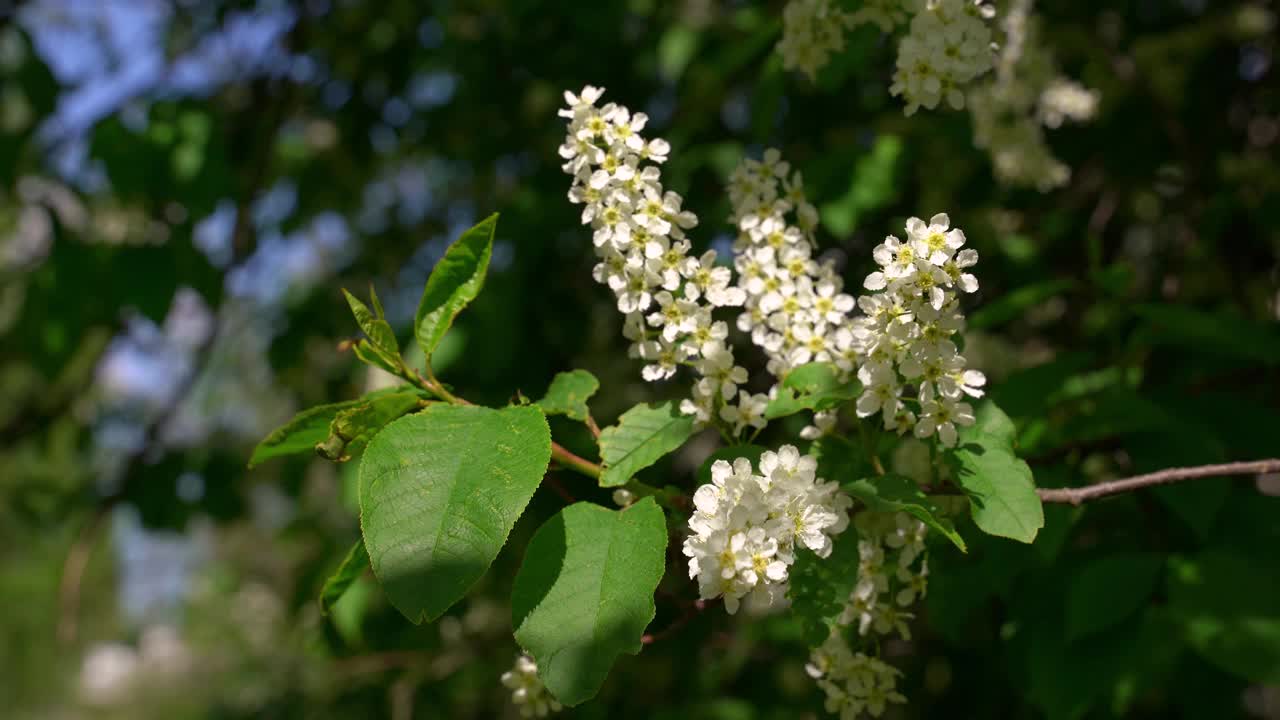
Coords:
pixel 638 230
pixel 904 336
pixel 892 576
pixel 947 46
pixel 527 691
pixel 793 305
pixel 812 31
pixel 1026 95
pixel 748 521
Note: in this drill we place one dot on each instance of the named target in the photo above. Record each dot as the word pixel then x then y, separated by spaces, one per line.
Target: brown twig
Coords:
pixel 73 574
pixel 1080 495
pixel 558 488
pixel 559 453
pixel 1076 496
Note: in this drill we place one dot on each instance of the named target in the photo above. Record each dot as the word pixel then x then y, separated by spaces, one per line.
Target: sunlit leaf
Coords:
pixel 439 492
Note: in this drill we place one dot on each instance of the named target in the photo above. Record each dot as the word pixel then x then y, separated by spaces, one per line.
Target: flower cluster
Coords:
pixel 905 334
pixel 888 14
pixel 812 31
pixel 892 576
pixel 853 682
pixel 892 573
pixel 746 526
pixel 527 691
pixel 794 306
pixel 1011 111
pixel 666 294
pixel 947 46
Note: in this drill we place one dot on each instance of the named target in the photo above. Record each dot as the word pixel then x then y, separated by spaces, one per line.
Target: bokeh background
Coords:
pixel 185 187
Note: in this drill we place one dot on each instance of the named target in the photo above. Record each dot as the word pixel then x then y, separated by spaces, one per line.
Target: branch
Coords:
pixel 559 453
pixel 73 573
pixel 1076 496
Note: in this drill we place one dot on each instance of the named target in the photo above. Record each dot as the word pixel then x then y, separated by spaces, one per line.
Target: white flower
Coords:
pixel 812 31
pixel 638 231
pixel 947 46
pixel 904 337
pixel 749 412
pixel 527 691
pixel 793 306
pixel 745 525
pixel 1011 111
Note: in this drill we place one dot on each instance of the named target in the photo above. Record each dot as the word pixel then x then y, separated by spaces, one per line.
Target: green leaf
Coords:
pixel 1109 590
pixel 729 454
pixel 820 587
pixel 871 186
pixel 816 386
pixel 642 436
pixel 455 282
pixel 352 567
pixel 353 428
pixel 895 493
pixel 301 434
pixel 382 342
pixel 568 394
pixel 584 594
pixel 840 460
pixel 1227 604
pixel 439 493
pixel 311 427
pixel 370 355
pixel 1002 495
pixel 1223 332
pixel 1014 304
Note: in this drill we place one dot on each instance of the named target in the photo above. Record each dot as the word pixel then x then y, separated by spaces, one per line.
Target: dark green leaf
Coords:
pixel 1227 606
pixel 584 594
pixel 816 386
pixel 454 283
pixel 352 567
pixel 1109 590
pixel 1014 304
pixel 1002 495
pixel 439 492
pixel 1216 332
pixel 820 587
pixel 895 493
pixel 839 460
pixel 642 436
pixel 568 394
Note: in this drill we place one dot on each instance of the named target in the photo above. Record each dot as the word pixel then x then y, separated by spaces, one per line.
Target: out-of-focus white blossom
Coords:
pixel 1026 95
pixel 855 683
pixel 666 294
pixel 527 691
pixel 1065 99
pixel 887 14
pixel 812 31
pixel 947 46
pixel 892 576
pixel 746 526
pixel 904 335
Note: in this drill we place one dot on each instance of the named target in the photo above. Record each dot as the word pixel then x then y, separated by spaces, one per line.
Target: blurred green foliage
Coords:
pixel 1127 323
